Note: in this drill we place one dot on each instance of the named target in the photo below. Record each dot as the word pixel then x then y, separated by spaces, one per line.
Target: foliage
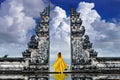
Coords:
pixel 5 56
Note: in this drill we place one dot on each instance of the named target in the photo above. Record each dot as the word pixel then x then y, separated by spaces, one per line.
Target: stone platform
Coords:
pixel 67 72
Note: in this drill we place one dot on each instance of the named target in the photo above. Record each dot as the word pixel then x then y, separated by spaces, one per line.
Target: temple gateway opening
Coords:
pixel 37 56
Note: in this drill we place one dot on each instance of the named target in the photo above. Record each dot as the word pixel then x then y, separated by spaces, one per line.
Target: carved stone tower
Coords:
pixel 82 53
pixel 37 54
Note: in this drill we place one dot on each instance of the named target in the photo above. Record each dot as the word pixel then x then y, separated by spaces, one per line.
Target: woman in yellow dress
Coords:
pixel 59 65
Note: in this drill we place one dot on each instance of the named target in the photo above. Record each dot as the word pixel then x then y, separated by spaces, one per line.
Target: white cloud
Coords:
pixel 34 7
pixel 11 49
pixel 104 35
pixel 16 23
pixel 88 14
pixel 60 36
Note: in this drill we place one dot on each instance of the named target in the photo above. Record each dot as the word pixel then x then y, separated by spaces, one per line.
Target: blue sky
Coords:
pixel 106 8
pixel 101 19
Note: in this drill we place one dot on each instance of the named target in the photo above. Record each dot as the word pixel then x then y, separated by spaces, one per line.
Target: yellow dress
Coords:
pixel 59 65
pixel 59 76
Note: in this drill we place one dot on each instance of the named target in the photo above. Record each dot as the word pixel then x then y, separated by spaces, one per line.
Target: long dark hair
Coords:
pixel 59 54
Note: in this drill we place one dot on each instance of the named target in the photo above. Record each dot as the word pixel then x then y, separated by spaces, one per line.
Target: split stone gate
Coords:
pixel 37 54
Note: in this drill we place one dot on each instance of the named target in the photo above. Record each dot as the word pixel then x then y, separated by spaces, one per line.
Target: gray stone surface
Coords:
pixel 81 47
pixel 38 47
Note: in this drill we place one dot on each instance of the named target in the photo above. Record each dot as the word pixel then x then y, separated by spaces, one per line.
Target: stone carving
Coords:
pixel 78 55
pixel 87 44
pixel 33 43
pixel 26 53
pixel 81 48
pixel 82 30
pixel 38 47
pixel 42 53
pixel 39 44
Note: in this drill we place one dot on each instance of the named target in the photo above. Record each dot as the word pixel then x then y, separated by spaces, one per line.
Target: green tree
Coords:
pixel 5 56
